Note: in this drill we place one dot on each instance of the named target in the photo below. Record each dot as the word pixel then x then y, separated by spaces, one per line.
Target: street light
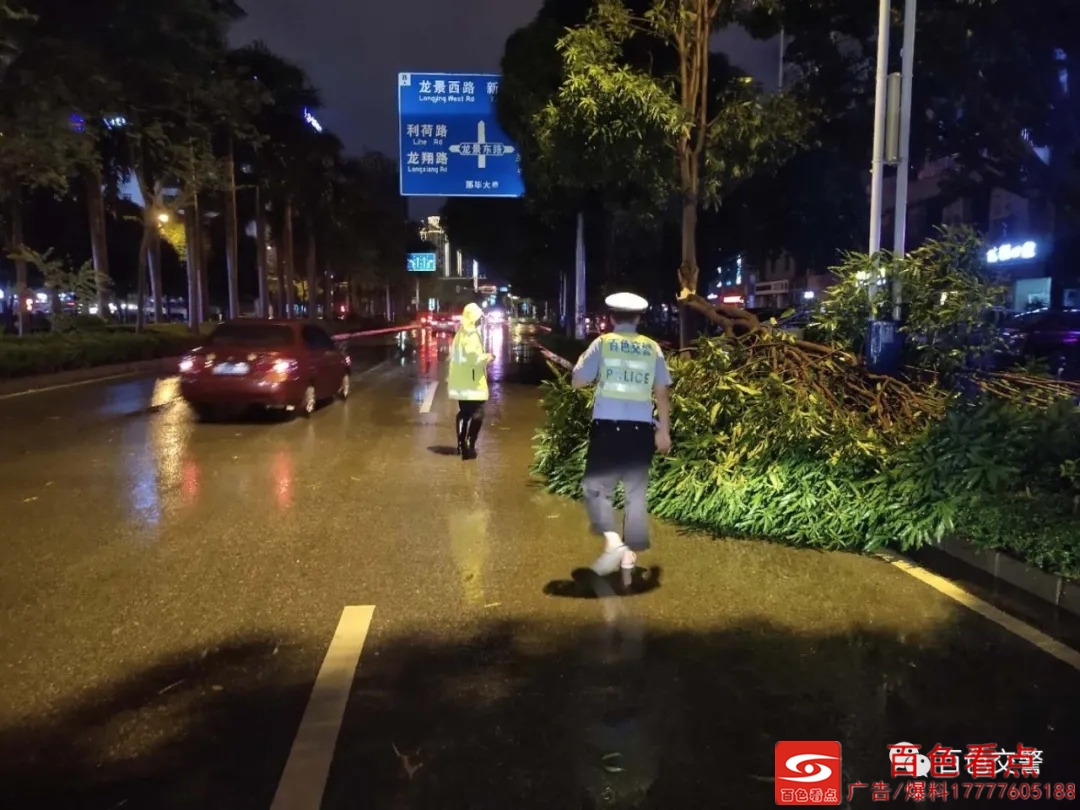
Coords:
pixel 877 177
pixel 883 338
pixel 163 218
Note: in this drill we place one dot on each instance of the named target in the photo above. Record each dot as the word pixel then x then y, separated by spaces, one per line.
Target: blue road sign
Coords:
pixel 420 262
pixel 451 142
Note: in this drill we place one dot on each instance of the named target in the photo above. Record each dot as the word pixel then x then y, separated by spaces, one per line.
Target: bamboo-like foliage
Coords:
pixel 798 441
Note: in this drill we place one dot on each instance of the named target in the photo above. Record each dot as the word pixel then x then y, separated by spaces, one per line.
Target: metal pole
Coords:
pixel 579 279
pixel 562 300
pixel 878 167
pixel 780 79
pixel 565 312
pixel 903 167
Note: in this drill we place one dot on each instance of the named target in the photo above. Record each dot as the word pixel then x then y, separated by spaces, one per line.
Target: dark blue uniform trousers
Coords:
pixel 619 452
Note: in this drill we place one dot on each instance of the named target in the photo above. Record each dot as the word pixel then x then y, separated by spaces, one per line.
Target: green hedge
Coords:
pixel 774 443
pixel 68 351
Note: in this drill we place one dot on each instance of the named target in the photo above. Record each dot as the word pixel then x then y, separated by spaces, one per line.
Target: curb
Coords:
pixel 1051 588
pixel 44 382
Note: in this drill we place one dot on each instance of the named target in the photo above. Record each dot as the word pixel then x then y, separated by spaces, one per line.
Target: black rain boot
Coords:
pixel 473 435
pixel 462 433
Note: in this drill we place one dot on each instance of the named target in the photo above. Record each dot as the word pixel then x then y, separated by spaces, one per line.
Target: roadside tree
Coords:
pixel 695 130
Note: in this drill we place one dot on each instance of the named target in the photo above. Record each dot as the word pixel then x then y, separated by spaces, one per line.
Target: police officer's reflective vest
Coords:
pixel 627 367
pixel 468 377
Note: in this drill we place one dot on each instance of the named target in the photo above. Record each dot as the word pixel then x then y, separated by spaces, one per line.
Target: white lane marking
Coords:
pixel 429 397
pixel 303 781
pixel 1020 628
pixel 110 378
pixel 368 371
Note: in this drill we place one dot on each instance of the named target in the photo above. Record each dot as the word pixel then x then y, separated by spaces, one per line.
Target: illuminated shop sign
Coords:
pixel 1012 253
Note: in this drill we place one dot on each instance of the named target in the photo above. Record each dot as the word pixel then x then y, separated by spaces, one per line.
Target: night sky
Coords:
pixel 354 49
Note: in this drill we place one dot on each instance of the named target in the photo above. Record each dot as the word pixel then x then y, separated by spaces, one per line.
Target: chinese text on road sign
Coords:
pixel 451 143
pixel 420 262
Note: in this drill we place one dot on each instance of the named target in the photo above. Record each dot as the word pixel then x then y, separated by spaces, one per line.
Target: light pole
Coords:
pixel 903 166
pixel 880 338
pixel 878 166
pixel 579 279
pixel 780 73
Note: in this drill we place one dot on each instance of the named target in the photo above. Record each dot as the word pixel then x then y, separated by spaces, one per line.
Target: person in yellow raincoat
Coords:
pixel 468 382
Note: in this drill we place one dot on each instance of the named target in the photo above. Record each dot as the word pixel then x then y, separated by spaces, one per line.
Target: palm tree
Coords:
pixel 367 228
pixel 320 163
pixel 273 153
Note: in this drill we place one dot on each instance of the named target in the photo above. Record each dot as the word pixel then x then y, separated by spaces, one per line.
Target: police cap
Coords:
pixel 626 302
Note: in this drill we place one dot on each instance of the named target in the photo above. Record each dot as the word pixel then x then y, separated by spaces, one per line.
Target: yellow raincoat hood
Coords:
pixel 471 317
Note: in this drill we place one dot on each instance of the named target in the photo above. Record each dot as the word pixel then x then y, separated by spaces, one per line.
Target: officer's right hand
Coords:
pixel 663 442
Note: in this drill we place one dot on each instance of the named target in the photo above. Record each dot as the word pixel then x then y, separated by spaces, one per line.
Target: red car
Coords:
pixel 291 365
pixel 440 321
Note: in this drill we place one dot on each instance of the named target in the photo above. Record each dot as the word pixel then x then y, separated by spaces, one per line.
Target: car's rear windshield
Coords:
pixel 254 336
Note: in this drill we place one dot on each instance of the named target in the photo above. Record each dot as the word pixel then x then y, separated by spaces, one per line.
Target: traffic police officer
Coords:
pixel 468 383
pixel 629 370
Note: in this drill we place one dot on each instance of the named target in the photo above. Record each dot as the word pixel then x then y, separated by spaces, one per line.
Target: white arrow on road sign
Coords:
pixel 477 148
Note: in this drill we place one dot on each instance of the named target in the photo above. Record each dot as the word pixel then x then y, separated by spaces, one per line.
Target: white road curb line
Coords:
pixel 1020 628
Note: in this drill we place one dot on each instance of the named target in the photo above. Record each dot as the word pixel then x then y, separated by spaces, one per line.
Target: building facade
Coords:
pixel 1019 232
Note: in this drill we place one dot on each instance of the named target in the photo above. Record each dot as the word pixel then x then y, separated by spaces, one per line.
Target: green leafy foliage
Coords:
pixel 947 297
pixel 752 419
pixel 999 472
pixel 82 283
pixel 645 105
pixel 775 439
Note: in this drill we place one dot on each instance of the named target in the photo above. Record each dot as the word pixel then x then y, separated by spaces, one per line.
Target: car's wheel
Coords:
pixel 308 403
pixel 205 413
pixel 346 386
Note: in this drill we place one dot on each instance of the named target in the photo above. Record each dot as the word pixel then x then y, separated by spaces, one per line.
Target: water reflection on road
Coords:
pixel 133 449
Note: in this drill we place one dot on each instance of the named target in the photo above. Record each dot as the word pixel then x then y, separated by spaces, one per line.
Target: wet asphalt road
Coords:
pixel 169 589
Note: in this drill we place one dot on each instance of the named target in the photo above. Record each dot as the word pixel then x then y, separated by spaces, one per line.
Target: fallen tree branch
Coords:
pixel 723 316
